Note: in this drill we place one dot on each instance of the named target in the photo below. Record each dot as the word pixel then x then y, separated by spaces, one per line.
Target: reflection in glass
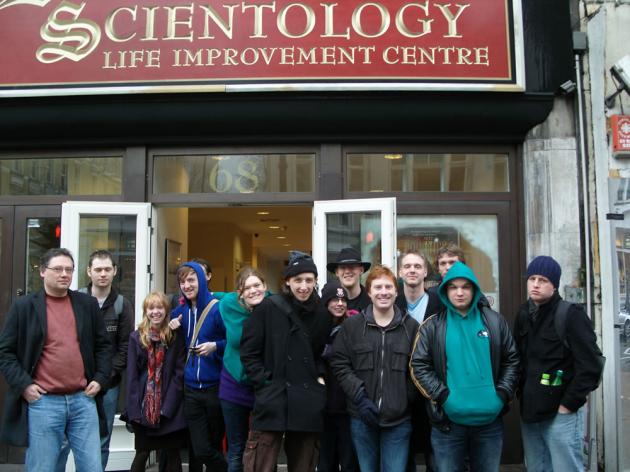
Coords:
pixel 413 172
pixel 61 176
pixel 243 173
pixel 622 321
pixel 361 231
pixel 476 235
pixel 117 234
pixel 42 234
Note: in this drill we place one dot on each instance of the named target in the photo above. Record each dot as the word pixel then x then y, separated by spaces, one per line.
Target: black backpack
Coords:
pixel 560 325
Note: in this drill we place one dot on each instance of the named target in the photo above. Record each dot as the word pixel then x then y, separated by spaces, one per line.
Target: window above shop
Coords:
pixel 61 176
pixel 234 173
pixel 427 172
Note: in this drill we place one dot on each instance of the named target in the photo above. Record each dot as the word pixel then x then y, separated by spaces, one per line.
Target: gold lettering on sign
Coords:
pixel 356 20
pixel 225 26
pixel 109 24
pixel 67 38
pixel 402 26
pixel 173 22
pixel 452 18
pixel 282 20
pixel 329 24
pixel 258 17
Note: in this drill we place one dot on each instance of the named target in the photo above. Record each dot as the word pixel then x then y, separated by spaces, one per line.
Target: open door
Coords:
pixel 125 230
pixel 368 225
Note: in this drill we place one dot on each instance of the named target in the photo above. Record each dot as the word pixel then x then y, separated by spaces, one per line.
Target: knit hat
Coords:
pixel 299 263
pixel 332 290
pixel 547 267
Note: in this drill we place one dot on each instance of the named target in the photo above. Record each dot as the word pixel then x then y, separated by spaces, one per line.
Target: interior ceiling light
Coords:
pixel 393 157
pixel 262 212
pixel 219 158
pixel 274 227
pixel 281 237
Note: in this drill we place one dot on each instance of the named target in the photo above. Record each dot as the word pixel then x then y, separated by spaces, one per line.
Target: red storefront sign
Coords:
pixel 620 125
pixel 111 46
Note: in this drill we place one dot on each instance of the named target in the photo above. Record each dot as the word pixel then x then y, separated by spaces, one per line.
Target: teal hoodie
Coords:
pixel 473 400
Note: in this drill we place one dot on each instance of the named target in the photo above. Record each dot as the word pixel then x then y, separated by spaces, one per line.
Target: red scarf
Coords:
pixel 152 402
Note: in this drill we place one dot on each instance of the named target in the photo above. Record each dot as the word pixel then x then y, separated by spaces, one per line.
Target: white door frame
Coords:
pixel 122 443
pixel 387 209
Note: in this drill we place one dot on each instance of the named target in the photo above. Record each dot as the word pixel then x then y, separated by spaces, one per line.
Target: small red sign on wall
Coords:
pixel 620 125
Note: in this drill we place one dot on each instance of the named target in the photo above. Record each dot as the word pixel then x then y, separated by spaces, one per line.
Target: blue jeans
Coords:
pixel 554 444
pixel 380 448
pixel 481 444
pixel 110 402
pixel 236 419
pixel 54 417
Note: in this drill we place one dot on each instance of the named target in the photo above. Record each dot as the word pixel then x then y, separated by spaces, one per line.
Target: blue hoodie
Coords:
pixel 202 371
pixel 473 400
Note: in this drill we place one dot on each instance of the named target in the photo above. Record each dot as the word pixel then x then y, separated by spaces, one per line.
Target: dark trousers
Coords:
pixel 261 452
pixel 205 425
pixel 336 445
pixel 237 428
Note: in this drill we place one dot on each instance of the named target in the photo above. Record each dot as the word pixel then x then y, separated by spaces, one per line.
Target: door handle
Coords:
pixel 19 292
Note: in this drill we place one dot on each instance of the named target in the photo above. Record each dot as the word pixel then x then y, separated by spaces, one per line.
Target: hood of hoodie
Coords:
pixel 459 270
pixel 203 295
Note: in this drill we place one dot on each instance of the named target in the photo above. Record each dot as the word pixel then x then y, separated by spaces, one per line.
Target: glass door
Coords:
pixel 36 230
pixel 368 225
pixel 124 229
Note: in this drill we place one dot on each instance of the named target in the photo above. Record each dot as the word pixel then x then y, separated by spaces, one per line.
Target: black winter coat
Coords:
pixel 118 328
pixel 22 343
pixel 542 351
pixel 373 358
pixel 172 418
pixel 281 354
pixel 428 362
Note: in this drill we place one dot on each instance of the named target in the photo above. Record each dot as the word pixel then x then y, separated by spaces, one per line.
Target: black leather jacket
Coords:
pixel 428 362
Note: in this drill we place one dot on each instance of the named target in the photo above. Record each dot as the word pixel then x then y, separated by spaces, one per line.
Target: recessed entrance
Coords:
pixel 230 238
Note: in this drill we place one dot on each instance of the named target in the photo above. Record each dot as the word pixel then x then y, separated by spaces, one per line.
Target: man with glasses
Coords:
pixel 117 313
pixel 55 355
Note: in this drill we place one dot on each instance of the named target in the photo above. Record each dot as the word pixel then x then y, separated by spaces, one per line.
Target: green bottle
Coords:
pixel 558 380
pixel 545 379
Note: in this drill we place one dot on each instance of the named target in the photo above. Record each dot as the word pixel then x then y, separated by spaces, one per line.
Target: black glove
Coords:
pixel 367 410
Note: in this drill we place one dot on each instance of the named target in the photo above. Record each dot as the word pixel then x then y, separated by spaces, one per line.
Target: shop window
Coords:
pixel 234 173
pixel 61 176
pixel 415 172
pixel 476 235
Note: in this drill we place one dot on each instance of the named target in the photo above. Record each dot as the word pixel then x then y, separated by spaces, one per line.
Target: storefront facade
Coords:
pixel 464 155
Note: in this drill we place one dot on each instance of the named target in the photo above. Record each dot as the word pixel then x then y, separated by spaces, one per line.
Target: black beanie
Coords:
pixel 299 263
pixel 332 290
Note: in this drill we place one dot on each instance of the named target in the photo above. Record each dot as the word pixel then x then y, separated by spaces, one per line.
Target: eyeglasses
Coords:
pixel 61 270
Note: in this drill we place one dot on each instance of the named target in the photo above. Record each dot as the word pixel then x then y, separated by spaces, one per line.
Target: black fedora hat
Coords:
pixel 348 256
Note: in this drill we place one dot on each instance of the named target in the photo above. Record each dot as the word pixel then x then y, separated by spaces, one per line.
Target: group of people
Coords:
pixel 363 377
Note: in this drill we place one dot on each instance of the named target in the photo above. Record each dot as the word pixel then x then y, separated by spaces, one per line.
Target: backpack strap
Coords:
pixel 560 321
pixel 198 325
pixel 118 305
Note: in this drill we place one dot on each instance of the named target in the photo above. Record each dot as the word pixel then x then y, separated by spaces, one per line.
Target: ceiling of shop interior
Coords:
pixel 294 223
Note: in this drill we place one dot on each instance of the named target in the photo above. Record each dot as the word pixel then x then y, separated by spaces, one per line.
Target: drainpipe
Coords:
pixel 580 47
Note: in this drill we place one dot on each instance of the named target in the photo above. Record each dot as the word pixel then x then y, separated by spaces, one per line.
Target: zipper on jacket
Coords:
pixel 380 398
